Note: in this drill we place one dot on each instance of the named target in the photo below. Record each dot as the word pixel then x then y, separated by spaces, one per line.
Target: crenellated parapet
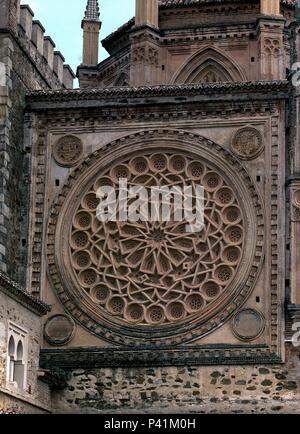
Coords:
pixel 41 50
pixel 28 61
pixel 29 36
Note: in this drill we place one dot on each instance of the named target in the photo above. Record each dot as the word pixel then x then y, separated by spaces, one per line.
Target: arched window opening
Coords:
pixel 19 366
pixel 11 361
pixel 16 357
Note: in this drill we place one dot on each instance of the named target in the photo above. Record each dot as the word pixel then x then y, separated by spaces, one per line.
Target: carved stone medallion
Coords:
pixel 248 324
pixel 247 143
pixel 59 330
pixel 154 281
pixel 67 151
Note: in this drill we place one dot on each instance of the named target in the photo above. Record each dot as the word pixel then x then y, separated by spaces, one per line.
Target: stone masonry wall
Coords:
pixel 12 405
pixel 36 394
pixel 208 389
pixel 21 76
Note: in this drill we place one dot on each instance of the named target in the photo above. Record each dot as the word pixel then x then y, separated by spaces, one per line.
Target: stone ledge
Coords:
pixel 171 94
pixel 13 290
pixel 185 3
pixel 210 355
pixel 26 399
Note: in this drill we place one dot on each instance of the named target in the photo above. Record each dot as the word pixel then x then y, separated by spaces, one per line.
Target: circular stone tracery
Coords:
pixel 186 294
pixel 157 272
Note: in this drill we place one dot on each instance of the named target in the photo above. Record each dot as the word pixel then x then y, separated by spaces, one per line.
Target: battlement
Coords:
pixel 31 36
pixel 41 48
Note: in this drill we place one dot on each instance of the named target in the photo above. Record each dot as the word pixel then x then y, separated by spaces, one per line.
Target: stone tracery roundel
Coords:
pixel 157 272
pixel 155 277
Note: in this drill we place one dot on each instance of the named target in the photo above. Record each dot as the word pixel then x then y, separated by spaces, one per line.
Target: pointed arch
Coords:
pixel 209 65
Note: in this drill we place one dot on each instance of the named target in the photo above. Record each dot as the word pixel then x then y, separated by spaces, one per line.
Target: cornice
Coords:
pixel 121 96
pixel 16 292
pixel 185 3
pixel 209 355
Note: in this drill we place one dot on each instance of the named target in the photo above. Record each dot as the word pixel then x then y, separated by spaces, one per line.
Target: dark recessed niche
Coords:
pixel 57 182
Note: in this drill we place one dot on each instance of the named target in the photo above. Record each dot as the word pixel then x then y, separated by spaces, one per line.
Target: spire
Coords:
pixel 92 12
pixel 91 25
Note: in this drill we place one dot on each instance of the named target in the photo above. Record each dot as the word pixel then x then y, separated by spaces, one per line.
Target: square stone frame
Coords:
pixel 60 117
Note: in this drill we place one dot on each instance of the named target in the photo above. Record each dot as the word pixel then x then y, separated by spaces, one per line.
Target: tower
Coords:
pixel 91 26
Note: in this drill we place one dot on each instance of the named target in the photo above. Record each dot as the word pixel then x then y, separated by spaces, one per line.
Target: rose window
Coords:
pixel 155 273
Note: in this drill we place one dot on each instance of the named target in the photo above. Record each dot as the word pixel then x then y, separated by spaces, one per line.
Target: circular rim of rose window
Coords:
pixel 139 284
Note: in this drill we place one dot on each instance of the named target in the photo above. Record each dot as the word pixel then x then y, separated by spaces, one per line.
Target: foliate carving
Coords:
pixel 59 330
pixel 247 143
pixel 146 284
pixel 67 151
pixel 145 54
pixel 248 324
pixel 158 273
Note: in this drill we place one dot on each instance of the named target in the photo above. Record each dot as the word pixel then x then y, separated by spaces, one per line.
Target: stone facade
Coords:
pixel 183 389
pixel 24 67
pixel 19 309
pixel 147 316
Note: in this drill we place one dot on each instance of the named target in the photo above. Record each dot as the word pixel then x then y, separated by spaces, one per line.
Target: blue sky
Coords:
pixel 62 21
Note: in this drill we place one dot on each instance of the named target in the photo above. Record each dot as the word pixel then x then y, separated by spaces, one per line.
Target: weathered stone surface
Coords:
pixel 199 80
pixel 132 389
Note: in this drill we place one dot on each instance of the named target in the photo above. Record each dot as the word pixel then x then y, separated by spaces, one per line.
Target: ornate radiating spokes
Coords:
pixel 154 272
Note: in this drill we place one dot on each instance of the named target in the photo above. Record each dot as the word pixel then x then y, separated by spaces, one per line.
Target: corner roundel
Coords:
pixel 247 143
pixel 67 151
pixel 152 282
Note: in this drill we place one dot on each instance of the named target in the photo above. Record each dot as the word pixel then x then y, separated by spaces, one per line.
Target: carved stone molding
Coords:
pixel 91 302
pixel 210 355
